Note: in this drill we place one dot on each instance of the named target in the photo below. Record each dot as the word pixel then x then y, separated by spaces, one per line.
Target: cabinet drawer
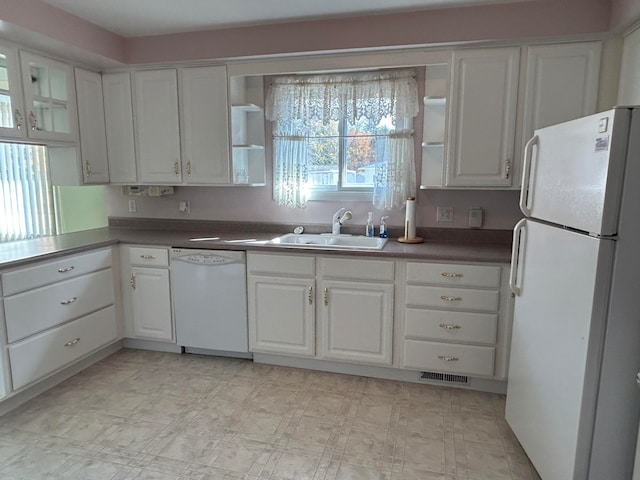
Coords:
pixel 360 269
pixel 451 326
pixel 453 298
pixel 49 272
pixel 30 312
pixel 282 264
pixel 45 353
pixel 449 357
pixel 452 274
pixel 154 257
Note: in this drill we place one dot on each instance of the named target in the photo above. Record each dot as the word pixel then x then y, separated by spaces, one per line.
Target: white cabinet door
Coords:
pixel 482 119
pixel 118 115
pixel 357 321
pixel 50 98
pixel 281 315
pixel 151 303
pixel 205 126
pixel 12 117
pixel 561 85
pixel 157 126
pixel 93 141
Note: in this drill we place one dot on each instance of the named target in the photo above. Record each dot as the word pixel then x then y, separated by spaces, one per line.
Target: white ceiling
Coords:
pixel 136 18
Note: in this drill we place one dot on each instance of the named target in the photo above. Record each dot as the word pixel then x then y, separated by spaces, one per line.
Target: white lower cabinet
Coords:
pixel 456 319
pixel 353 307
pixel 56 313
pixel 146 293
pixel 281 313
pixel 357 321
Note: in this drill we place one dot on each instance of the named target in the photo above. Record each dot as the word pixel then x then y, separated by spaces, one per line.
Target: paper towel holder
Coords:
pixel 410 223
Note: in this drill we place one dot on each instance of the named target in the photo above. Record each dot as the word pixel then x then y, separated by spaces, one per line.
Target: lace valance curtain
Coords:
pixel 345 96
pixel 294 103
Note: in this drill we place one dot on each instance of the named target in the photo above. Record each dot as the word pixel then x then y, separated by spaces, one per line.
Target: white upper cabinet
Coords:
pixel 205 126
pixel 482 117
pixel 93 142
pixel 561 85
pixel 50 100
pixel 119 127
pixel 12 117
pixel 157 130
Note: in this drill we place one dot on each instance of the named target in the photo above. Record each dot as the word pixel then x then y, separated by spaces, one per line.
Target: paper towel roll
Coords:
pixel 410 219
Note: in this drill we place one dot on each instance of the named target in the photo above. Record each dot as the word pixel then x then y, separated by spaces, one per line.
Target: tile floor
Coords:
pixel 150 415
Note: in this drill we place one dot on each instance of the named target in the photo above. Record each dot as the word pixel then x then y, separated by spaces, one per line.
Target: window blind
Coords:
pixel 26 201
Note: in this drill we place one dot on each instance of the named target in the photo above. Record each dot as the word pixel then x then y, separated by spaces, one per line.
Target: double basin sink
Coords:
pixel 309 240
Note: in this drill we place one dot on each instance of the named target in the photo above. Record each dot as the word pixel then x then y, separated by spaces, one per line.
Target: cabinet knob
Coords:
pixel 452 275
pixel 326 296
pixel 450 299
pixel 132 282
pixel 71 343
pixel 69 302
pixel 189 168
pixel 33 121
pixel 447 326
pixel 87 168
pixel 507 168
pixel 176 168
pixel 310 296
pixel 18 119
pixel 446 358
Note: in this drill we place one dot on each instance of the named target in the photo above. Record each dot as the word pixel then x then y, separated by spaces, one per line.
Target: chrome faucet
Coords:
pixel 339 218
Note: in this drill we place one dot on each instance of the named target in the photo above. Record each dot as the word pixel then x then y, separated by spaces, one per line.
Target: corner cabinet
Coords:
pixel 93 140
pixel 118 115
pixel 157 130
pixel 482 118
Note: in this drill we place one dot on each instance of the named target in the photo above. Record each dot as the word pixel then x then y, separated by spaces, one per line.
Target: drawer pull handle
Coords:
pixel 450 299
pixel 326 296
pixel 68 302
pixel 64 270
pixel 452 275
pixel 71 343
pixel 446 358
pixel 310 296
pixel 446 326
pixel 147 257
pixel 132 282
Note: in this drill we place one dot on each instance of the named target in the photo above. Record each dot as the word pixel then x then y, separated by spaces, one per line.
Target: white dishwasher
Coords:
pixel 210 301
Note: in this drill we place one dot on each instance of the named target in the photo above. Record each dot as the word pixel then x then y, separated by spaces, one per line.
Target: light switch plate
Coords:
pixel 475 217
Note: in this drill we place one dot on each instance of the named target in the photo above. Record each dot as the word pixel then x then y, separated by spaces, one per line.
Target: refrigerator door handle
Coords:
pixel 525 198
pixel 519 231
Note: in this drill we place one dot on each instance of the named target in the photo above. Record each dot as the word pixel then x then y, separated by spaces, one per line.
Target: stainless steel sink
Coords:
pixel 354 242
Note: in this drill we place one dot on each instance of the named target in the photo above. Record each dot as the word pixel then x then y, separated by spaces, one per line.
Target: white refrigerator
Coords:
pixel 572 398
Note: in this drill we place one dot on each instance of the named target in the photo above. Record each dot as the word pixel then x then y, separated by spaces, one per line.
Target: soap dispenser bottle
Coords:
pixel 383 227
pixel 369 231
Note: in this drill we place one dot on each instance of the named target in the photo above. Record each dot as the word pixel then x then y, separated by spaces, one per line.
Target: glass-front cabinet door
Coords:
pixel 49 98
pixel 12 119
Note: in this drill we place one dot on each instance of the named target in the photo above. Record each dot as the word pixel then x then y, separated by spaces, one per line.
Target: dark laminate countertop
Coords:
pixel 463 246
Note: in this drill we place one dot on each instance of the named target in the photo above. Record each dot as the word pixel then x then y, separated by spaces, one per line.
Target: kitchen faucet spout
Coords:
pixel 338 219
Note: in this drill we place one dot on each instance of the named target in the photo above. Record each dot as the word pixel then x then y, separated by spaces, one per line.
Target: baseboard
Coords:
pixel 14 400
pixel 388 373
pixel 140 344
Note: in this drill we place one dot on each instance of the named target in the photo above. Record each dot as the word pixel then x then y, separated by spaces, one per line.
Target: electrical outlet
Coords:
pixel 444 214
pixel 132 206
pixel 185 207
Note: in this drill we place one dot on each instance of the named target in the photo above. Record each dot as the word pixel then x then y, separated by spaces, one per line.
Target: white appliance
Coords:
pixel 572 399
pixel 210 301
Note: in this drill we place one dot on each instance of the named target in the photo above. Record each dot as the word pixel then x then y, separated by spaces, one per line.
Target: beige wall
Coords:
pixel 629 89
